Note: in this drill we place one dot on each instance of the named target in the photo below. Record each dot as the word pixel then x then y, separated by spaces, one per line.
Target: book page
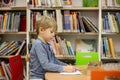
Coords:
pixel 71 73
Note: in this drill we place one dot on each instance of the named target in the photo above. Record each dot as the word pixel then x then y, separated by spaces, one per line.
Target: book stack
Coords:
pixel 13 48
pixel 11 22
pixel 111 3
pixel 108 48
pixel 44 3
pixel 62 47
pixel 111 22
pixel 73 21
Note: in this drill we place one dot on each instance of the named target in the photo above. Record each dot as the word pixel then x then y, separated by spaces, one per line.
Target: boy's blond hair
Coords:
pixel 45 22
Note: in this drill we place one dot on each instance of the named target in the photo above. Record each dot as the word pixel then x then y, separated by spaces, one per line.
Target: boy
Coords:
pixel 42 57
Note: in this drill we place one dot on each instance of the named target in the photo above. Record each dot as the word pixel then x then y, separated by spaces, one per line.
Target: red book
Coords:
pixel 22 23
pixel 16 66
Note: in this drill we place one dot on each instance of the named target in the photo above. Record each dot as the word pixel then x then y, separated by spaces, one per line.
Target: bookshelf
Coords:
pixel 94 14
pixel 12 30
pixel 112 31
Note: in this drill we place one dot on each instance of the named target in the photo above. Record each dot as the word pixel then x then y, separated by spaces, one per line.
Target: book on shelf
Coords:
pixel 67 3
pixel 6 45
pixel 111 22
pixel 8 71
pixel 106 48
pixel 74 25
pixel 59 21
pixel 60 46
pixel 90 3
pixel 67 25
pixel 6 3
pixel 86 45
pixel 11 46
pixel 110 3
pixel 21 47
pixel 1 22
pixel 35 15
pixel 2 74
pixel 5 71
pixel 80 23
pixel 118 1
pixel 54 46
pixel 83 58
pixel 22 23
pixel 118 19
pixel 16 66
pixel 112 48
pixel 89 26
pixel 10 21
pixel 64 46
pixel 44 3
pixel 70 49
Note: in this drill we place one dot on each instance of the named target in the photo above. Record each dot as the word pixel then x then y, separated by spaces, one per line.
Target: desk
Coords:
pixel 58 76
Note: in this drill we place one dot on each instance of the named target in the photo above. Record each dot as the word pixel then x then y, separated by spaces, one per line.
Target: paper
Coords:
pixel 71 73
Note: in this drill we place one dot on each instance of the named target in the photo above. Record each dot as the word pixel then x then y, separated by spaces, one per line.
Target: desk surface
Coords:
pixel 58 76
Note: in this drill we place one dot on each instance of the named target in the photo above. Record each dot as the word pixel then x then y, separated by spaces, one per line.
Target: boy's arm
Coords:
pixel 60 62
pixel 44 61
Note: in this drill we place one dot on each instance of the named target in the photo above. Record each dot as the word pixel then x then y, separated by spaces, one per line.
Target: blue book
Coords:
pixel 106 23
pixel 67 20
pixel 118 20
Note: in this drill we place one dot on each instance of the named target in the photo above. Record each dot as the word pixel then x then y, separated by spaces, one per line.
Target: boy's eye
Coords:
pixel 52 31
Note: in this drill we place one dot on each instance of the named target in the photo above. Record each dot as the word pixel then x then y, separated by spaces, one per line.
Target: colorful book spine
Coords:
pixel 70 49
pixel 112 48
pixel 67 21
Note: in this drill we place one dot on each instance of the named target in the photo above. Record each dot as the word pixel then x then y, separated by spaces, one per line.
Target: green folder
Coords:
pixel 83 58
pixel 118 1
pixel 90 3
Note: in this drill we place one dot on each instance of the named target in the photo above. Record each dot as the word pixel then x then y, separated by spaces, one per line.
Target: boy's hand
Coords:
pixel 69 68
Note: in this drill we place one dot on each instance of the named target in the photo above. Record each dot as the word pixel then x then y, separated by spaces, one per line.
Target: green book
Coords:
pixel 83 58
pixel 90 3
pixel 118 1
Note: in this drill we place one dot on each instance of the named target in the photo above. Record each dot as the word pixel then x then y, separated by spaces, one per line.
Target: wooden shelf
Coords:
pixel 76 33
pixel 80 8
pixel 71 57
pixel 105 58
pixel 5 8
pixel 11 56
pixel 111 8
pixel 110 33
pixel 66 8
pixel 71 33
pixel 12 33
pixel 43 8
pixel 16 8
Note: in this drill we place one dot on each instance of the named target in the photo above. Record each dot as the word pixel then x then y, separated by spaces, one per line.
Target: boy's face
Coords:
pixel 47 34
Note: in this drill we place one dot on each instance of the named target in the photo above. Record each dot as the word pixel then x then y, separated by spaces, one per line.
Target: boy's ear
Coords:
pixel 41 29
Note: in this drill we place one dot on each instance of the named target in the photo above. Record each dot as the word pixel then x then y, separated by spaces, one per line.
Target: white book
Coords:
pixel 5 71
pixel 59 21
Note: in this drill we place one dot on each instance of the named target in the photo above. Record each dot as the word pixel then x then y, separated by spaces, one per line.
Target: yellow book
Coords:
pixel 70 49
pixel 111 46
pixel 74 17
pixel 115 25
pixel 5 21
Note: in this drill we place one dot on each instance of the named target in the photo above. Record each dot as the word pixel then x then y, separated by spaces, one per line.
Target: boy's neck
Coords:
pixel 41 39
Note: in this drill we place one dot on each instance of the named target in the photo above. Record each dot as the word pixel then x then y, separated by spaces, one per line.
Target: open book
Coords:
pixel 71 73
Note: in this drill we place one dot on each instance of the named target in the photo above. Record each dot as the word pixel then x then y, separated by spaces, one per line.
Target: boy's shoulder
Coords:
pixel 37 41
